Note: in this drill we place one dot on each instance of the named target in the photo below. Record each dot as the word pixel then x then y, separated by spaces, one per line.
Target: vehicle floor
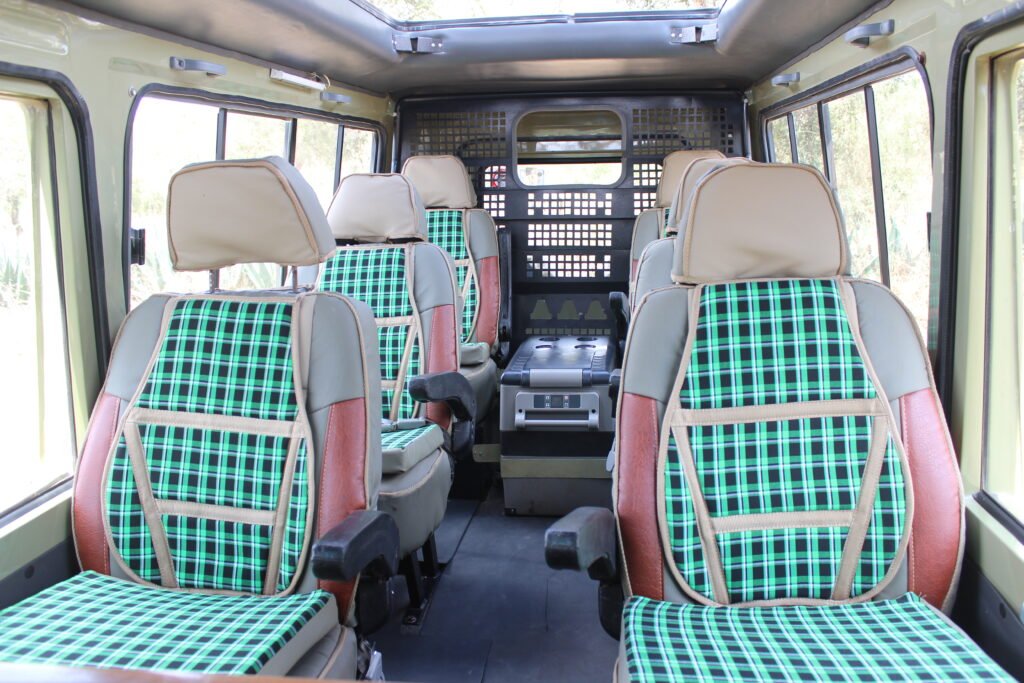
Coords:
pixel 499 613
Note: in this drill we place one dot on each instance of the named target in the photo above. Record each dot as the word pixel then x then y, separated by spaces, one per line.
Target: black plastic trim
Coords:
pixel 963 47
pixel 365 541
pixel 78 110
pixel 239 103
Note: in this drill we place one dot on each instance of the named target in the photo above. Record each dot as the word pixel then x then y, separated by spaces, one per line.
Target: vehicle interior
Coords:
pixel 462 341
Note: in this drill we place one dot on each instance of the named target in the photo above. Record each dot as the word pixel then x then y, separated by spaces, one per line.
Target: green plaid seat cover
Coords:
pixel 892 640
pixel 227 357
pixel 98 621
pixel 769 343
pixel 377 277
pixel 445 229
pixel 400 438
pixel 665 216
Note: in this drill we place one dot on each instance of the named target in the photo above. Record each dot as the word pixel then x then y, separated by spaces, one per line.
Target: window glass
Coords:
pixel 904 141
pixel 166 135
pixel 169 134
pixel 808 137
pixel 854 189
pixel 778 130
pixel 35 411
pixel 357 152
pixel 1004 459
pixel 250 137
pixel 569 148
pixel 316 154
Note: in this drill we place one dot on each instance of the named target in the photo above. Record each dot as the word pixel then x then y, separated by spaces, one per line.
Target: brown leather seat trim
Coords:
pixel 489 287
pixel 342 479
pixel 442 356
pixel 936 531
pixel 637 500
pixel 87 503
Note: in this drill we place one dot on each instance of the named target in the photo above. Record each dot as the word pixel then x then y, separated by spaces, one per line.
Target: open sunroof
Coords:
pixel 471 10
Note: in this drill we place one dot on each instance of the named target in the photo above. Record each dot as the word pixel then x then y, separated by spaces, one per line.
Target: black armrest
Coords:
pixel 584 540
pixel 365 541
pixel 455 390
pixel 614 383
pixel 618 304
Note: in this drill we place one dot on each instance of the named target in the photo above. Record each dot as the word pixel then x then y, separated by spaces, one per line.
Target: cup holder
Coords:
pixel 549 339
pixel 584 346
pixel 543 346
pixel 586 339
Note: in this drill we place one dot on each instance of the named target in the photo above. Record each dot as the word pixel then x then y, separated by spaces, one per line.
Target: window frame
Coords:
pixel 78 112
pixel 625 139
pixel 48 88
pixel 994 155
pixel 242 105
pixel 862 78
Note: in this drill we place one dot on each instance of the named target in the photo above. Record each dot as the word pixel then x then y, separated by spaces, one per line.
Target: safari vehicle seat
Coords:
pixel 223 502
pixel 787 494
pixel 384 260
pixel 654 270
pixel 651 224
pixel 469 235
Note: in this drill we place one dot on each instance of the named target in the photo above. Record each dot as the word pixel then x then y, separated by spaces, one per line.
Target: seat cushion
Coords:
pixel 903 640
pixel 99 621
pixel 402 449
pixel 417 499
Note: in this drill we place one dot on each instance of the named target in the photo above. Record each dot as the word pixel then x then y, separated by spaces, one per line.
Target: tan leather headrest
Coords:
pixel 442 181
pixel 691 176
pixel 222 213
pixel 673 168
pixel 748 221
pixel 377 207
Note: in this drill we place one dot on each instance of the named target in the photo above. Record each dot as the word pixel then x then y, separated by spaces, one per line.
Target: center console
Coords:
pixel 557 425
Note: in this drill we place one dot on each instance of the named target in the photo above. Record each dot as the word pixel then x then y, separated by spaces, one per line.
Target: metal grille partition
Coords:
pixel 570 245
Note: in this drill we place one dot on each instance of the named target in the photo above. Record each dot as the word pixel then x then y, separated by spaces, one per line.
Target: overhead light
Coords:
pixel 297 81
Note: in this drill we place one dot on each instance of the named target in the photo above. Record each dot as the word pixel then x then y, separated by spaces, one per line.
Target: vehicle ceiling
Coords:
pixel 351 42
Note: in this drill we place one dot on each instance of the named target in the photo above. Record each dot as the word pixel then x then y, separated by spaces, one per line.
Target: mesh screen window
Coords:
pixel 569 243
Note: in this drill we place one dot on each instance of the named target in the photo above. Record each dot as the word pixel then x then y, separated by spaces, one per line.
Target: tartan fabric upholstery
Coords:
pixel 782 341
pixel 666 216
pixel 225 357
pixel 894 640
pixel 99 621
pixel 400 438
pixel 229 358
pixel 445 229
pixel 377 277
pixel 770 343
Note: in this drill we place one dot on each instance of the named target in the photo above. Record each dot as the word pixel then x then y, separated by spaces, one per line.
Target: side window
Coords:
pixel 875 149
pixel 1003 476
pixel 778 135
pixel 357 151
pixel 168 134
pixel 35 411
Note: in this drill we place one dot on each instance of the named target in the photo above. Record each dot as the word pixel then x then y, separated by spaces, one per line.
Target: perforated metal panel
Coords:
pixel 570 244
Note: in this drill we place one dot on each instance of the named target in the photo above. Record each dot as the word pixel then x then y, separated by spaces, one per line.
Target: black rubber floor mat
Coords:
pixel 499 613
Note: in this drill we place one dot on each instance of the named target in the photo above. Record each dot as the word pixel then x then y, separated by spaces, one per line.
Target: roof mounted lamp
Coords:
pixel 861 36
pixel 297 81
